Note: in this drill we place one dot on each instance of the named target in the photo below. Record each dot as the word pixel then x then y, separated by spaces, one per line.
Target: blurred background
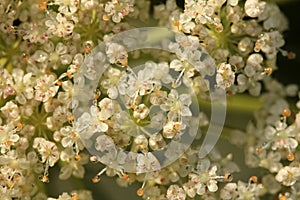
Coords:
pixel 289 70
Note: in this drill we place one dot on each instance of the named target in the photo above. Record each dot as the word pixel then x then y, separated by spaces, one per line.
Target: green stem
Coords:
pixel 239 109
pixel 40 185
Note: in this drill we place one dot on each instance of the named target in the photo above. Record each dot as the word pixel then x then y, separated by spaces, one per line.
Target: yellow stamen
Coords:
pixel 125 176
pixel 74 196
pixel 8 143
pixel 20 126
pixel 77 157
pixel 291 55
pixel 59 83
pixel 227 177
pixel 10 184
pixel 96 179
pixel 286 112
pixel 105 17
pixel 290 156
pixel 268 71
pixel 70 118
pixel 68 74
pixel 45 179
pixel 140 192
pixel 259 150
pixel 177 126
pixel 253 179
pixel 281 197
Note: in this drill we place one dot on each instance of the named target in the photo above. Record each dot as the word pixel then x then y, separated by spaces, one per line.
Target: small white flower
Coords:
pixel 23 85
pixel 225 76
pixel 171 129
pixel 36 32
pixel 72 167
pixel 6 84
pixel 141 111
pixel 67 7
pixel 66 95
pixel 160 71
pixel 88 124
pixel 190 189
pixel 11 111
pixel 96 120
pixel 58 54
pixel 104 143
pixel 111 82
pixel 229 191
pixel 250 82
pixel 288 176
pixel 270 42
pixel 141 84
pixel 175 192
pixel 8 137
pixel 40 56
pixel 156 141
pixel 176 65
pixel 118 9
pixel 45 88
pixel 249 191
pixel 282 136
pixel 253 8
pixel 69 136
pixel 158 97
pixel 116 53
pixel 47 149
pixel 205 178
pixel 177 105
pixel 60 27
pixel 107 108
pixel 147 162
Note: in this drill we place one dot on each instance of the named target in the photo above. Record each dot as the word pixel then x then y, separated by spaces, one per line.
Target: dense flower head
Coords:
pixel 146 124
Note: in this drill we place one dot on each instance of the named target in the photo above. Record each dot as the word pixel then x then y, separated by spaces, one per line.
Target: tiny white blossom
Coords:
pixel 225 76
pixel 116 53
pixel 175 192
pixel 45 88
pixel 47 149
pixel 104 143
pixel 60 27
pixel 23 85
pixel 6 84
pixel 229 191
pixel 253 8
pixel 205 179
pixel 107 108
pixel 67 7
pixel 177 105
pixel 11 110
pixel 288 175
pixel 141 111
pixel 118 9
pixel 147 162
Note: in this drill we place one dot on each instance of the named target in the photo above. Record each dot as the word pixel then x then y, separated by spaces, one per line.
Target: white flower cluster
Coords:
pixel 142 112
pixel 145 124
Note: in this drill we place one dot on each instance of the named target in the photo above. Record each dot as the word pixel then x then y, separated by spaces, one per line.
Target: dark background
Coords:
pixel 289 70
